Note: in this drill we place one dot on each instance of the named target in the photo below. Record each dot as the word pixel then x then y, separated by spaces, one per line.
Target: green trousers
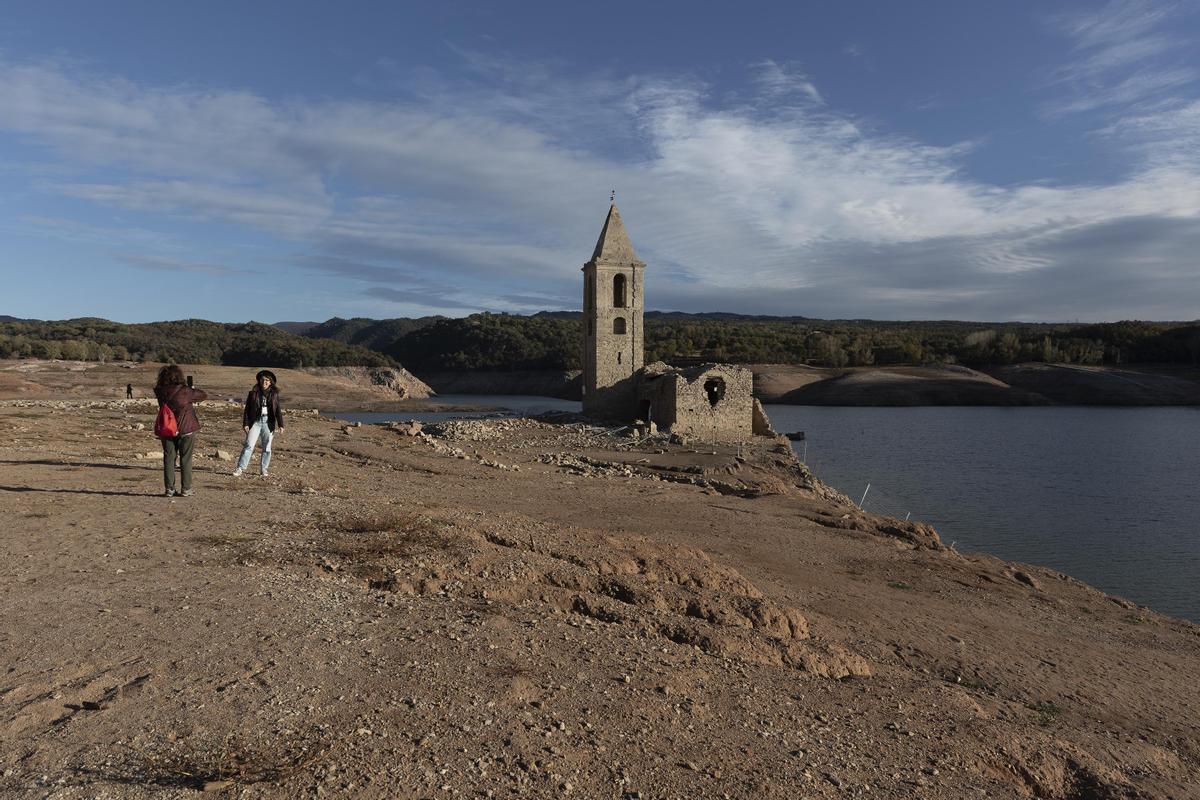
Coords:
pixel 183 445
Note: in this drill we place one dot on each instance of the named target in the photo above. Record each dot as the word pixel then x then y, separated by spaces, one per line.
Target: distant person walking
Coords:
pixel 262 418
pixel 129 391
pixel 173 391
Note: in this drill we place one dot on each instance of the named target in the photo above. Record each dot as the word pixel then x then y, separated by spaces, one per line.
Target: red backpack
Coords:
pixel 165 426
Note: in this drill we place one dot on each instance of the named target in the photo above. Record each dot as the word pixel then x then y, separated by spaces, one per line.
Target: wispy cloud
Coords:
pixel 785 80
pixel 488 192
pixel 157 264
pixel 1122 53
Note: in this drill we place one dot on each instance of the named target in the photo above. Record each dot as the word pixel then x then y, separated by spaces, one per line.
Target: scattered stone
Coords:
pixel 1026 578
pixel 410 428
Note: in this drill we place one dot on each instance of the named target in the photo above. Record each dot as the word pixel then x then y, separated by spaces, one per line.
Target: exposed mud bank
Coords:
pixel 565 385
pixel 1016 385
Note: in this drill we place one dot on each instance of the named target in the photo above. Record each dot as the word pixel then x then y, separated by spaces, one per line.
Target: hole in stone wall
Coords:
pixel 715 389
pixel 618 358
pixel 619 291
pixel 619 325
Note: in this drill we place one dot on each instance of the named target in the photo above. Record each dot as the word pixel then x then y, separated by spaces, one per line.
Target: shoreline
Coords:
pixel 1031 384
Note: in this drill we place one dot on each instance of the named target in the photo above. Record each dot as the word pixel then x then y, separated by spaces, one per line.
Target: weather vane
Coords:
pixel 612 198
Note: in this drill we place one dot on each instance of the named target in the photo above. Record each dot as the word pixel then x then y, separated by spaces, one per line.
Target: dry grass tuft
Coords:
pixel 190 766
pixel 381 535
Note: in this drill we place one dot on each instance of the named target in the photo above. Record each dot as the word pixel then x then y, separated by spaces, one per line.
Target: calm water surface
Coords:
pixel 495 405
pixel 1110 496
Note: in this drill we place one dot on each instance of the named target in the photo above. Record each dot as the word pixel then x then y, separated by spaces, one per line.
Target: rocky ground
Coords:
pixel 360 388
pixel 537 608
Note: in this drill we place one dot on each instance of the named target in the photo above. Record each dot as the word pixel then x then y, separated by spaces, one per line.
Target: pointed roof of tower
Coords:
pixel 614 244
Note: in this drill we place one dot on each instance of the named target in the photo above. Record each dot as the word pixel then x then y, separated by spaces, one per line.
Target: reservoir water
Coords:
pixel 1108 495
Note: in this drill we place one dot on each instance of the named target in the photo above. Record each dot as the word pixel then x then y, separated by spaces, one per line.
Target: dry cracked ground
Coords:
pixel 535 609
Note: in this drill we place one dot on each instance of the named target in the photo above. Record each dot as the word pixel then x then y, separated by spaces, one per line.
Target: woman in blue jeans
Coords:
pixel 262 418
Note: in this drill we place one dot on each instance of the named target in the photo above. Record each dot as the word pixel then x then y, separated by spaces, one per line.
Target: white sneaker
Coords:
pixel 237 473
pixel 265 474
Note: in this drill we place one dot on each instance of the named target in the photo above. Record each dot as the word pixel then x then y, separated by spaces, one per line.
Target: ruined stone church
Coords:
pixel 711 400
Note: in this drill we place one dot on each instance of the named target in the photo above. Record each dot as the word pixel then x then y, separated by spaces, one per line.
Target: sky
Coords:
pixel 948 159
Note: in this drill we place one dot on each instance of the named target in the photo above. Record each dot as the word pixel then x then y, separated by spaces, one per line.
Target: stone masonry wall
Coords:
pixel 611 358
pixel 695 413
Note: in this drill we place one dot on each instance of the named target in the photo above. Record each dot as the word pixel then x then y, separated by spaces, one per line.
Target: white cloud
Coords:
pixel 158 264
pixel 492 199
pixel 785 80
pixel 1123 53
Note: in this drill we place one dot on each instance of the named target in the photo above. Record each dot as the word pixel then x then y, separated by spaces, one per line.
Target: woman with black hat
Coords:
pixel 261 420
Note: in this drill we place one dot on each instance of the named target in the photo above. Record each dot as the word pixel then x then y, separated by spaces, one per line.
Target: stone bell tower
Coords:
pixel 612 322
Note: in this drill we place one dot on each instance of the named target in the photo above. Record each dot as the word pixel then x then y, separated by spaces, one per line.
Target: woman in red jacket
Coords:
pixel 172 390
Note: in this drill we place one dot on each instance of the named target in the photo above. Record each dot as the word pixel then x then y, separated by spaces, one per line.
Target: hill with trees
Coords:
pixel 376 334
pixel 552 341
pixel 192 341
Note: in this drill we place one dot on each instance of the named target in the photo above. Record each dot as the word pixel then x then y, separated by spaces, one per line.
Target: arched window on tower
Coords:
pixel 619 325
pixel 619 291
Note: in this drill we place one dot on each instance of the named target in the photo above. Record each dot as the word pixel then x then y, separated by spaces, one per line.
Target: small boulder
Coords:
pixel 410 428
pixel 222 455
pixel 1024 577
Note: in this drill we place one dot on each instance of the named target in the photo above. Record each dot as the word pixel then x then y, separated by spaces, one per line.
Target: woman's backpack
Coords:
pixel 165 426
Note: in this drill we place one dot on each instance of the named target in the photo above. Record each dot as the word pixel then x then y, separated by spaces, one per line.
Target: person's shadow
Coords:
pixel 58 462
pixel 78 491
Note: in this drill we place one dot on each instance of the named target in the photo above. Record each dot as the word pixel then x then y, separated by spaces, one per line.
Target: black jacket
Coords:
pixel 253 410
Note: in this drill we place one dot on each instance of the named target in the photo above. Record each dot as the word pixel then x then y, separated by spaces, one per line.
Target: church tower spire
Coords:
pixel 613 305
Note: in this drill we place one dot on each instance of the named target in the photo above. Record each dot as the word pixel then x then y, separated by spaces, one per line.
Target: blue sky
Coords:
pixel 272 161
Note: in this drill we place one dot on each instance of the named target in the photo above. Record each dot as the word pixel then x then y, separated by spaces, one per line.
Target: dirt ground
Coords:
pixel 533 609
pixel 323 388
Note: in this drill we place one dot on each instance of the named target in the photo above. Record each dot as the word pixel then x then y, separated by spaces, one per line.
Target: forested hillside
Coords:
pixel 376 334
pixel 551 340
pixel 192 341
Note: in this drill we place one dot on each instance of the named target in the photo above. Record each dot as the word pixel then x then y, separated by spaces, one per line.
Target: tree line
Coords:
pixel 191 341
pixel 553 340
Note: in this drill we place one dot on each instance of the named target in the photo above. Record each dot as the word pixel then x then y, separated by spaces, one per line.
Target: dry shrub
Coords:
pixel 381 535
pixel 222 539
pixel 188 765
